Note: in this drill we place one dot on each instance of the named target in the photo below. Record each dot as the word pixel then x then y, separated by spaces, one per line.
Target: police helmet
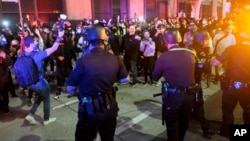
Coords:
pixel 96 32
pixel 172 36
pixel 201 36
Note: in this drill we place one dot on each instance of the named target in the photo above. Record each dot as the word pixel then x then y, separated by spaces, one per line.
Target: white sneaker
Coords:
pixel 49 121
pixel 31 119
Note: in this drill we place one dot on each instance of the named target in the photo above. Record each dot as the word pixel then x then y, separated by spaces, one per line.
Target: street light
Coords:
pixel 5 23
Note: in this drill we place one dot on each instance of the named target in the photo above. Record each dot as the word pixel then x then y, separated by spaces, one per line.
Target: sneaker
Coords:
pixel 31 119
pixel 29 102
pixel 57 94
pixel 69 96
pixel 49 121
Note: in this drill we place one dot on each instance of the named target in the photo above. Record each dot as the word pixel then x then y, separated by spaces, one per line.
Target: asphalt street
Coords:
pixel 139 117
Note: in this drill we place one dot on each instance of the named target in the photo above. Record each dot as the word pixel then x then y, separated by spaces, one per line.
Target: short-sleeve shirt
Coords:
pixel 237 62
pixel 177 67
pixel 38 57
pixel 96 72
pixel 227 41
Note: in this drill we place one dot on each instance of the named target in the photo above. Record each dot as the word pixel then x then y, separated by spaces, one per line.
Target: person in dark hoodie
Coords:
pixel 131 46
pixel 64 56
pixel 5 62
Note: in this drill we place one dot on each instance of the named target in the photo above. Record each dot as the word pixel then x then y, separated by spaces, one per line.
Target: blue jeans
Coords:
pixel 42 89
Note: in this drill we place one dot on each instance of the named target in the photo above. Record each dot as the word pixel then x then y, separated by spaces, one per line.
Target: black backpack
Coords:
pixel 26 71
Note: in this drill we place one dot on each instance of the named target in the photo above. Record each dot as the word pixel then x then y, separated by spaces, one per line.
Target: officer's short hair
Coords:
pixel 172 36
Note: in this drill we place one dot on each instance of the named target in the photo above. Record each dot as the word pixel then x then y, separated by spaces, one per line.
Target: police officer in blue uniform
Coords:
pixel 202 66
pixel 177 66
pixel 235 83
pixel 95 74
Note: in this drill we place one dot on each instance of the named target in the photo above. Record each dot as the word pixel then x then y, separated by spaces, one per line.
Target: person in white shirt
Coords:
pixel 221 41
pixel 147 47
pixel 224 39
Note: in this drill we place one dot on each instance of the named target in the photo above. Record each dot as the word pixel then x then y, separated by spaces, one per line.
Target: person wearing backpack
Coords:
pixel 41 86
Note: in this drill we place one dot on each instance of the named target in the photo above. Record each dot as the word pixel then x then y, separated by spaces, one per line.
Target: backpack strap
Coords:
pixel 216 44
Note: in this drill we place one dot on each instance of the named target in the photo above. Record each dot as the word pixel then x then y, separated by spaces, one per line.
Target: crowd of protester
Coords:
pixel 138 43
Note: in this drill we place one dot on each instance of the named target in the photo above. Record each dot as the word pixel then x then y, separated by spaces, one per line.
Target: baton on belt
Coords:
pixel 162 109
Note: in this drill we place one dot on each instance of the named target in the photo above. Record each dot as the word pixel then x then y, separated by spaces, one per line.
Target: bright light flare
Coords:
pixel 247 7
pixel 63 16
pixel 5 23
pixel 141 19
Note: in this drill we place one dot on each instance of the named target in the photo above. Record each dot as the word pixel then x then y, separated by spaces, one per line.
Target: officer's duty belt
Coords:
pixel 240 85
pixel 97 103
pixel 232 84
pixel 180 90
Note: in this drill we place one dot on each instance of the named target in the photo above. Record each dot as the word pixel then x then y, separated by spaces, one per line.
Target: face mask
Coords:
pixel 146 37
pixel 14 46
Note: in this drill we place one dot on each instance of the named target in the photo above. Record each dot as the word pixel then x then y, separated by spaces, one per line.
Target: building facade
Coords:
pixel 48 10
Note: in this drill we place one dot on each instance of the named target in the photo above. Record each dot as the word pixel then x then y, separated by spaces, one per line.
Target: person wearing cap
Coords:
pixel 95 74
pixel 235 82
pixel 177 67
